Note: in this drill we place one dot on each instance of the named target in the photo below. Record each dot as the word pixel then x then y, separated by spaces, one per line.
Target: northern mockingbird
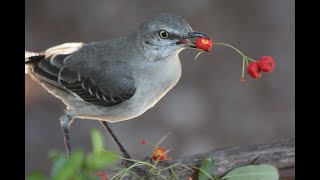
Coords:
pixel 114 80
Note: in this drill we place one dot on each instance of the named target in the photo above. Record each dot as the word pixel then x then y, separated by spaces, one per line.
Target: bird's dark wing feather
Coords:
pixel 97 82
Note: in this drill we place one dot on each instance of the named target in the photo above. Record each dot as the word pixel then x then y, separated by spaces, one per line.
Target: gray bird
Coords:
pixel 114 80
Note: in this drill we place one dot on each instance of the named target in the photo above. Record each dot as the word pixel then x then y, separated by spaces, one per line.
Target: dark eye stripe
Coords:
pixel 174 36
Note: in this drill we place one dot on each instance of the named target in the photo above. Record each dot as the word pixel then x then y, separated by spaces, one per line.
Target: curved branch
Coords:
pixel 280 154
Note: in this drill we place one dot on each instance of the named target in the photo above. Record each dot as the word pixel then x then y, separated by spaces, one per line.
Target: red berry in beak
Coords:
pixel 204 44
pixel 254 70
pixel 266 64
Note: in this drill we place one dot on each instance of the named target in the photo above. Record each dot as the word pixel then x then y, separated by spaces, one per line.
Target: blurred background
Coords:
pixel 208 109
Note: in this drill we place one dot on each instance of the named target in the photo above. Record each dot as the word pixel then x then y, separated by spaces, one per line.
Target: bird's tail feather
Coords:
pixel 31 57
pixel 28 54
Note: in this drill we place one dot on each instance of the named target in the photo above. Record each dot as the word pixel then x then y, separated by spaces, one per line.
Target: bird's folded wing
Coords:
pixel 95 81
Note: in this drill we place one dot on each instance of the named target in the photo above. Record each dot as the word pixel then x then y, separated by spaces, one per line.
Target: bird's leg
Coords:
pixel 65 122
pixel 124 152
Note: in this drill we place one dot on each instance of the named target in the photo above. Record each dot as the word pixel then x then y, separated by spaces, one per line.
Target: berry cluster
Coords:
pixel 254 69
pixel 265 64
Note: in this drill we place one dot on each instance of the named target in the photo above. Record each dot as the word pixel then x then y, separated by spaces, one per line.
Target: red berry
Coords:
pixel 254 70
pixel 159 152
pixel 103 175
pixel 204 44
pixel 266 64
pixel 143 141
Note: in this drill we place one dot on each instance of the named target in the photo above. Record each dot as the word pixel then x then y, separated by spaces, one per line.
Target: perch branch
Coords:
pixel 280 154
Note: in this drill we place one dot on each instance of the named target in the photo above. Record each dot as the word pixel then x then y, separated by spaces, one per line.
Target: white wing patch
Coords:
pixel 66 48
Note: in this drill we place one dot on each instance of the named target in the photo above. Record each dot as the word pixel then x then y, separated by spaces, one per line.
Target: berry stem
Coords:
pixel 252 59
pixel 228 45
pixel 243 64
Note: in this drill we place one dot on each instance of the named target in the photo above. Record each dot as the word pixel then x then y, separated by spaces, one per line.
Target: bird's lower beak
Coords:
pixel 187 42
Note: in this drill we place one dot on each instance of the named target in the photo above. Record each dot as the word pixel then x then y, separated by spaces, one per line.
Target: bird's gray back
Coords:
pixel 95 73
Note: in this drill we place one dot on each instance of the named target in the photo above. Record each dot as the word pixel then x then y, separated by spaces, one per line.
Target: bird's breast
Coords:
pixel 154 80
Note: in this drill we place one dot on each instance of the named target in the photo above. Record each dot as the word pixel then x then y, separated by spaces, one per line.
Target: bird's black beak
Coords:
pixel 186 39
pixel 196 34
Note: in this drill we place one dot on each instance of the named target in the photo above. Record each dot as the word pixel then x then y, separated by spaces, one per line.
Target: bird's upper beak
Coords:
pixel 196 34
pixel 186 39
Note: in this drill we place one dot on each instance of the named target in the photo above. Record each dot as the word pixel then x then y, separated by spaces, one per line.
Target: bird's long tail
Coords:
pixel 28 54
pixel 31 57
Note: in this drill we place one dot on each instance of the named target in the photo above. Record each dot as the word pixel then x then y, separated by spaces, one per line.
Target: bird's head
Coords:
pixel 165 34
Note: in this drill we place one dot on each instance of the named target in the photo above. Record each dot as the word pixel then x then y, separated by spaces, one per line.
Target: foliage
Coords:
pixel 249 172
pixel 81 166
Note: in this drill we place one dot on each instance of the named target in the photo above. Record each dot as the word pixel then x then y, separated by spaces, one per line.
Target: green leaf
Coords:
pixel 101 160
pixel 253 172
pixel 216 177
pixel 67 168
pixel 92 176
pixel 37 175
pixel 58 165
pixel 206 169
pixel 97 141
pixel 55 155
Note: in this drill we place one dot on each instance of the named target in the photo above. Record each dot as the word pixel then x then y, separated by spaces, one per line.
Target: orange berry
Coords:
pixel 159 153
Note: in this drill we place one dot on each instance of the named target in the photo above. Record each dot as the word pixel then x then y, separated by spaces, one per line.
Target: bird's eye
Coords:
pixel 163 34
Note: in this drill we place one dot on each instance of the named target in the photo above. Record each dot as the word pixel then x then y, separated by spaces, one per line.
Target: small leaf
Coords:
pixel 97 141
pixel 206 169
pixel 253 172
pixel 37 175
pixel 58 165
pixel 55 155
pixel 76 160
pixel 101 160
pixel 216 177
pixel 67 168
